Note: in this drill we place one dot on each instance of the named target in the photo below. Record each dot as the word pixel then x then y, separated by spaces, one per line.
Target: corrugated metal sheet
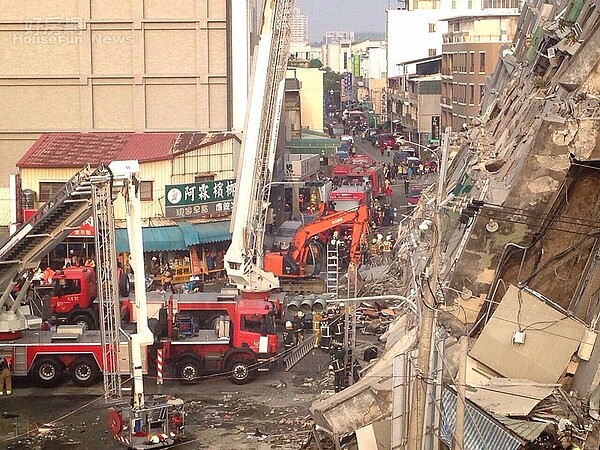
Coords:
pixel 176 237
pixel 4 207
pixel 148 146
pixel 525 429
pixel 79 149
pixel 482 432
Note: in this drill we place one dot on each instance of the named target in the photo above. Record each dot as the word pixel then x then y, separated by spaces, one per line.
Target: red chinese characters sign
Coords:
pixel 86 229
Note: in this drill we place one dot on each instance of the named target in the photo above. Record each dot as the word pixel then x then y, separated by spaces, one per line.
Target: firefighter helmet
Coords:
pixel 289 325
pixel 374 240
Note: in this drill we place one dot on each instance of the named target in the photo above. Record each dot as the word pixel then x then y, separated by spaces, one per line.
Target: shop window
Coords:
pixel 49 189
pixel 146 190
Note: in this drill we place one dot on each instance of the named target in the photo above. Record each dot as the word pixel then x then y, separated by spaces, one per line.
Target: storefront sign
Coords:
pixel 199 199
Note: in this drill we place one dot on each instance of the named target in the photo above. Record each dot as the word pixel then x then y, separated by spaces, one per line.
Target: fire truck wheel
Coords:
pixel 124 285
pixel 189 368
pixel 85 320
pixel 241 372
pixel 47 371
pixel 84 371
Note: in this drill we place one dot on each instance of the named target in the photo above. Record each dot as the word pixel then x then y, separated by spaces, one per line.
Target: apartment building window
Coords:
pixel 453 4
pixel 451 63
pixel 147 190
pixel 432 27
pixel 432 52
pixel 49 189
pixel 481 62
pixel 513 4
pixel 470 4
pixel 481 92
pixel 471 94
pixel 472 60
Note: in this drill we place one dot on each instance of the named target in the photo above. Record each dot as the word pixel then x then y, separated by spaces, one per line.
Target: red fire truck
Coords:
pixel 74 297
pixel 223 335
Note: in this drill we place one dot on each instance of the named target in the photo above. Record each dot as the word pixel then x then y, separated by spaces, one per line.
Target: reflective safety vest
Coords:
pixel 339 328
pixel 387 246
pixel 325 331
pixel 288 339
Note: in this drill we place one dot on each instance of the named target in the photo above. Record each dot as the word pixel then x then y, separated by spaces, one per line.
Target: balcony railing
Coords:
pixel 466 36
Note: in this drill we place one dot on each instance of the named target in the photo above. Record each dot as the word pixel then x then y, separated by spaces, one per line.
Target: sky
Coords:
pixel 344 15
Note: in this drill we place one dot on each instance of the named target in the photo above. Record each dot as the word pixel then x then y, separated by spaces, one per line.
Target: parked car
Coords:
pixel 387 140
pixel 403 154
pixel 372 134
pixel 414 195
pixel 413 162
pixel 285 233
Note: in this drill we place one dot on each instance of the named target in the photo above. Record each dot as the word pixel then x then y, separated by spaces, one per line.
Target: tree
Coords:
pixel 331 80
pixel 315 64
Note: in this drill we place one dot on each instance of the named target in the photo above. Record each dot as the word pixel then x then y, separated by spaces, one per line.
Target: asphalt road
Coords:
pixel 270 412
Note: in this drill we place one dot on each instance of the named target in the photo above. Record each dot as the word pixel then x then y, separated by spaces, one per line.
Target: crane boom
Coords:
pixel 244 258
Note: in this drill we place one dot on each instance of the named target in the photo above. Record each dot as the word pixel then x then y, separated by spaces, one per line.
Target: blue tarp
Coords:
pixel 176 237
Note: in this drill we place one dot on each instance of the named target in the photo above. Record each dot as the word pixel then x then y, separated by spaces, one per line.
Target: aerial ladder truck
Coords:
pixel 142 423
pixel 45 355
pixel 245 257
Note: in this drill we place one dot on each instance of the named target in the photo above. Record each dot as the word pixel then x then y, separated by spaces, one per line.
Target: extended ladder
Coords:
pixel 332 269
pixel 299 352
pixel 108 291
pixel 350 324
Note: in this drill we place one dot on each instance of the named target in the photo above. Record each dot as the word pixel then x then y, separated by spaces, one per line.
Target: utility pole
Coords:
pixel 459 423
pixel 418 406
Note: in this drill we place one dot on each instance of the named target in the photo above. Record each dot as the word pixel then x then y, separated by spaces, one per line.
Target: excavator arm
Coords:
pixel 293 263
pixel 298 245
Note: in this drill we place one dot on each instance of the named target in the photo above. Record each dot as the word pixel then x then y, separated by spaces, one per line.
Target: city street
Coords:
pixel 270 412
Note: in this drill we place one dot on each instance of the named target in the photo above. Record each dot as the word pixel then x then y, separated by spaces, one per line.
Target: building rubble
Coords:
pixel 519 271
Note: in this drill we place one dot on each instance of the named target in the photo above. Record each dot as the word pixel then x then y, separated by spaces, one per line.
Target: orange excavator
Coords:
pixel 302 260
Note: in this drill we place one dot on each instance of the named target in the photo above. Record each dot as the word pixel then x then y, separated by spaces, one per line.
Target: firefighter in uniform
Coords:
pixel 299 327
pixel 5 376
pixel 338 366
pixel 338 330
pixel 325 338
pixel 386 248
pixel 288 336
pixel 373 247
pixel 316 327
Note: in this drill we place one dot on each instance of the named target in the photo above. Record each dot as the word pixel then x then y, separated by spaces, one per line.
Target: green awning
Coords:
pixel 176 237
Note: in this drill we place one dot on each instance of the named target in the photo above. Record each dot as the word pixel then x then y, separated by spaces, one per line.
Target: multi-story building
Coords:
pixel 305 52
pixel 416 31
pixel 337 36
pixel 414 101
pixel 121 65
pixel 299 27
pixel 470 50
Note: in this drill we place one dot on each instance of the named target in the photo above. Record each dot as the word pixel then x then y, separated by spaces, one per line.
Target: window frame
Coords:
pixel 42 196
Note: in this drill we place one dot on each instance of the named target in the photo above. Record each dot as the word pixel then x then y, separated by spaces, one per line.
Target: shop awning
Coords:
pixel 176 237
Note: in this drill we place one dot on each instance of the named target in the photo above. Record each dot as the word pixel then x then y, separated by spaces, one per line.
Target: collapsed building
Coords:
pixel 519 262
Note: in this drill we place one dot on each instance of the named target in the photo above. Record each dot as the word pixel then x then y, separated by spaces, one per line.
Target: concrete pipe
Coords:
pixel 294 305
pixel 319 305
pixel 306 305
